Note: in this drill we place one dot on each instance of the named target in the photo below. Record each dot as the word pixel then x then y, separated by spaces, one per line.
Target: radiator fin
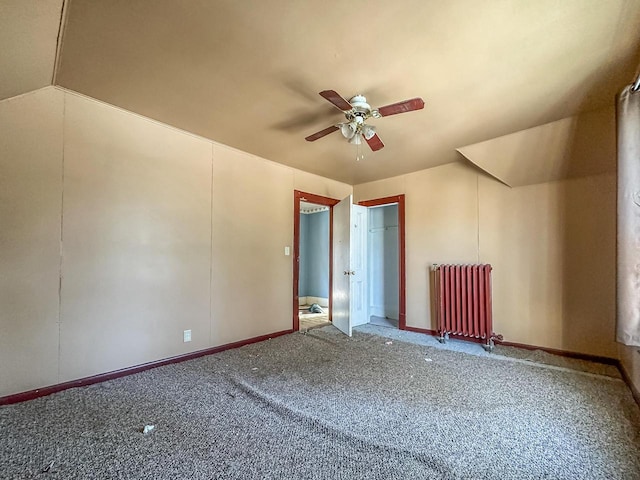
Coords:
pixel 463 302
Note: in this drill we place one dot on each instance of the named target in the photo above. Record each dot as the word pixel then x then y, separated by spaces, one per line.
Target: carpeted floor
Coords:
pixel 383 322
pixel 380 405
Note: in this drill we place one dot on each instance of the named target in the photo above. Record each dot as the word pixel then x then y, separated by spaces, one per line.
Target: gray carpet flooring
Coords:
pixel 383 322
pixel 383 404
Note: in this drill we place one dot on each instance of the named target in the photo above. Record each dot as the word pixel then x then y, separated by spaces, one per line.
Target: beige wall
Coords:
pixel 552 246
pixel 162 231
pixel 310 183
pixel 252 222
pixel 441 227
pixel 30 208
pixel 136 240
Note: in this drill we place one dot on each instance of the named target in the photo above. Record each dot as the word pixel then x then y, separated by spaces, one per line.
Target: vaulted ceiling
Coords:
pixel 28 39
pixel 248 73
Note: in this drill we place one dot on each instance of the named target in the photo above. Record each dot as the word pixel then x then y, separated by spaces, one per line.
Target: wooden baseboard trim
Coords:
pixel 562 353
pixel 103 377
pixel 420 330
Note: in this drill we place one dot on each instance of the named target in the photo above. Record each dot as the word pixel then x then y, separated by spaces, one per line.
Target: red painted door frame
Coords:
pixel 299 196
pixel 402 303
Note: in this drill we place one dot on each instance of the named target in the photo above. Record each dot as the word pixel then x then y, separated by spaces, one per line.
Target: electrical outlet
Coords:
pixel 186 335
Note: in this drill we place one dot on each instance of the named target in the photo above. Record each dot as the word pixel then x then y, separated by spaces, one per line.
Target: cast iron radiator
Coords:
pixel 463 303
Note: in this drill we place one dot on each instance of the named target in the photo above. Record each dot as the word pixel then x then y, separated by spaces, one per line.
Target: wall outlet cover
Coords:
pixel 187 336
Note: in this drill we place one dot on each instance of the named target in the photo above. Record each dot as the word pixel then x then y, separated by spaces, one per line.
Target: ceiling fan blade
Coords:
pixel 336 99
pixel 401 107
pixel 321 133
pixel 375 143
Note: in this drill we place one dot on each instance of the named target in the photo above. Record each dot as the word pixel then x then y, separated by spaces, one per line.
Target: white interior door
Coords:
pixel 349 265
pixel 359 277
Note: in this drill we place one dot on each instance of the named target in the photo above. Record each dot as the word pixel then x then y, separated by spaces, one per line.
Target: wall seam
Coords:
pixel 61 251
pixel 211 254
pixel 478 216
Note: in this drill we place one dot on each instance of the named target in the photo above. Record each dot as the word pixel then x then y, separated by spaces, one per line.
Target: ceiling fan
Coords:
pixel 357 111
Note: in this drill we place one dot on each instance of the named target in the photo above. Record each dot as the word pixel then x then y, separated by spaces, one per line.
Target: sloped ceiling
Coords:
pixel 247 73
pixel 572 147
pixel 28 41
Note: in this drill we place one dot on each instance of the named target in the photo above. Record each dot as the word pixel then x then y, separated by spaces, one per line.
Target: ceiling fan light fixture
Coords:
pixel 356 139
pixel 368 131
pixel 348 130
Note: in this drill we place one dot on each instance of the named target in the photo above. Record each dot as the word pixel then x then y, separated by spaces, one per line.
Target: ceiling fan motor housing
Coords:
pixel 356 117
pixel 361 109
pixel 359 104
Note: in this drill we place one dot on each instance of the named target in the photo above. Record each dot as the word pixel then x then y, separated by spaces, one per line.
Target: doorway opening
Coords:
pixel 386 261
pixel 312 265
pixel 393 222
pixel 313 281
pixel 383 281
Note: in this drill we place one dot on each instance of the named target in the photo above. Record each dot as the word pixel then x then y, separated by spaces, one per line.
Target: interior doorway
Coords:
pixel 312 265
pixel 386 259
pixel 383 272
pixel 313 279
pixel 398 214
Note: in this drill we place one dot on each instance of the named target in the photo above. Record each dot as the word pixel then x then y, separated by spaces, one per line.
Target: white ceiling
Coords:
pixel 247 73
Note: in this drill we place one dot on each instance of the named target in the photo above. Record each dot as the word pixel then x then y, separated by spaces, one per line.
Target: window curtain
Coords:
pixel 628 241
